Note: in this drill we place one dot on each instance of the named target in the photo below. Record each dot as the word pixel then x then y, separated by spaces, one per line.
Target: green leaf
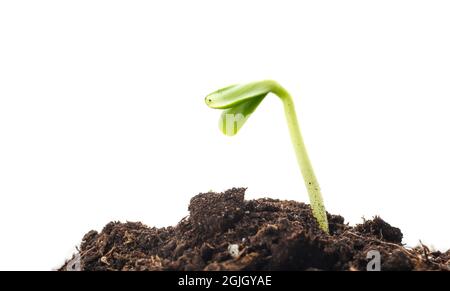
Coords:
pixel 234 95
pixel 232 119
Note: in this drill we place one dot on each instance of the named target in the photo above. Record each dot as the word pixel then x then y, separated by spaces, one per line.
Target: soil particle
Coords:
pixel 381 229
pixel 226 232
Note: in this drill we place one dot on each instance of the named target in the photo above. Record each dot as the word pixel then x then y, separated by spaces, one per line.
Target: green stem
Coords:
pixel 304 163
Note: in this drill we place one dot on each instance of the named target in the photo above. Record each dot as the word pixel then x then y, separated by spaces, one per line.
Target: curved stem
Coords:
pixel 304 163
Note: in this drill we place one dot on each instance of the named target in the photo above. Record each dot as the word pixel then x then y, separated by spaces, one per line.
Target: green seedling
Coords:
pixel 240 101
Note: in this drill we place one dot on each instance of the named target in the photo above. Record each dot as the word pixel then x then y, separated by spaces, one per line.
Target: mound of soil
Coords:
pixel 226 232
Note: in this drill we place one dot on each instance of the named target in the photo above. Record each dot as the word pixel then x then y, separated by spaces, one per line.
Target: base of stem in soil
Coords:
pixel 226 232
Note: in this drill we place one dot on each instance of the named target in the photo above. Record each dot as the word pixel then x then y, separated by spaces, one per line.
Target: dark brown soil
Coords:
pixel 226 232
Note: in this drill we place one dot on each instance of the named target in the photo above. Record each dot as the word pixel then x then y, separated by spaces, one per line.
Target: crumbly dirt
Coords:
pixel 226 232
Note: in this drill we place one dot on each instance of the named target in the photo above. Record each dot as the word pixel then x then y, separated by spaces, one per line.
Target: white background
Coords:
pixel 102 114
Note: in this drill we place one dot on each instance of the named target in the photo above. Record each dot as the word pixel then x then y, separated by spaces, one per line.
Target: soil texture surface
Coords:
pixel 226 232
